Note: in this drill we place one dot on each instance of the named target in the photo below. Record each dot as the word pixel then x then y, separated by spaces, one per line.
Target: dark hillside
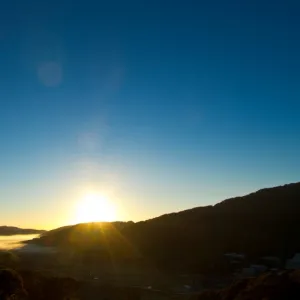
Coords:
pixel 266 222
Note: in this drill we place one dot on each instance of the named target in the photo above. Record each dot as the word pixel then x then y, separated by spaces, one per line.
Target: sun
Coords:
pixel 95 208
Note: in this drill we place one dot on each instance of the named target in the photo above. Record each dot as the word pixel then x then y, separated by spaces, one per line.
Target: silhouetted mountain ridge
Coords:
pixel 266 222
pixel 11 230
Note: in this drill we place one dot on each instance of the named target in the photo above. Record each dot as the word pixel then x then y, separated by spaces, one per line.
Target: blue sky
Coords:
pixel 159 105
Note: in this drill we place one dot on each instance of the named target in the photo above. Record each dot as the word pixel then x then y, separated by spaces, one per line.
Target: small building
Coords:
pixel 259 268
pixel 252 271
pixel 294 263
pixel 247 272
pixel 271 261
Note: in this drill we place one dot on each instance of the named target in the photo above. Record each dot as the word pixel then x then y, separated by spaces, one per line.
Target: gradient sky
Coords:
pixel 159 105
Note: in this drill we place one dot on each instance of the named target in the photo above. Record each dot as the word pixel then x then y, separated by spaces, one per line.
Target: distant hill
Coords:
pixel 10 230
pixel 266 222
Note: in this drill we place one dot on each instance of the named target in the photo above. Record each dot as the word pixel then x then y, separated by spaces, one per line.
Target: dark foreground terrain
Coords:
pixel 36 286
pixel 265 287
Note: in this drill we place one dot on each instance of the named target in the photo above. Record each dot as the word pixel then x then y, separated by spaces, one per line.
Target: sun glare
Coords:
pixel 95 208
